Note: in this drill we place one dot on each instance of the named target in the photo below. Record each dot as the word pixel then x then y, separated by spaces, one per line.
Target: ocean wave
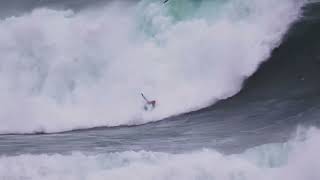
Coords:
pixel 296 159
pixel 62 70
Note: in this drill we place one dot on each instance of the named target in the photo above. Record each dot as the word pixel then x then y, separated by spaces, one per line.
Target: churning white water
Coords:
pixel 61 70
pixel 297 159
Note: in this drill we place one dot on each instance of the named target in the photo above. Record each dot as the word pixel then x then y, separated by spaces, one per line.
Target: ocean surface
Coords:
pixel 236 84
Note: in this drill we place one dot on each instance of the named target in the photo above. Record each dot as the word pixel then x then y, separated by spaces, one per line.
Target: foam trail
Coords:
pixel 295 160
pixel 61 70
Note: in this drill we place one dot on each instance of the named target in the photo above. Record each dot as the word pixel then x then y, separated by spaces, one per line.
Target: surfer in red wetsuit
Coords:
pixel 152 103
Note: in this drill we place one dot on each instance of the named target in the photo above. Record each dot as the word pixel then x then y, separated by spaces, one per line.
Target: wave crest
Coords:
pixel 79 70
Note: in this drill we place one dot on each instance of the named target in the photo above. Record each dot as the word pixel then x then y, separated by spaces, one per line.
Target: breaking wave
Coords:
pixel 61 70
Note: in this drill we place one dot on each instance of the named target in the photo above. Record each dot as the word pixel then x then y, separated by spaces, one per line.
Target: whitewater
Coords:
pixel 296 159
pixel 236 84
pixel 63 70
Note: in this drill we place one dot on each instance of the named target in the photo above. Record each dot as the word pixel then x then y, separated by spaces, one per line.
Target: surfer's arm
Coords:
pixel 144 97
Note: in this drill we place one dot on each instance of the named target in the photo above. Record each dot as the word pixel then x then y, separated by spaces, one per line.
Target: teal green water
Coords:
pixel 155 17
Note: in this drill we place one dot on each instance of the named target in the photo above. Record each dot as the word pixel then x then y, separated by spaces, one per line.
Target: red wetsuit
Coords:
pixel 153 103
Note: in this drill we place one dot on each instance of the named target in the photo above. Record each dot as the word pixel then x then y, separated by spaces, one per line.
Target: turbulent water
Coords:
pixel 236 85
pixel 293 160
pixel 80 70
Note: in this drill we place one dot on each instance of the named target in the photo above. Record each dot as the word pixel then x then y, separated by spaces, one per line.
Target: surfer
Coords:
pixel 148 103
pixel 165 1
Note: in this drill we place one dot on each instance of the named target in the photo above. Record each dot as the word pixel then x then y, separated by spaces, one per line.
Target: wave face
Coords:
pixel 62 70
pixel 295 160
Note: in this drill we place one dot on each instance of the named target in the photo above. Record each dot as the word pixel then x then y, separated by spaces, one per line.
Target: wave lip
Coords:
pixel 88 71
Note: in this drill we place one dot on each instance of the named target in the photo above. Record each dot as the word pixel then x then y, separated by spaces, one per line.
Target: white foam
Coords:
pixel 61 71
pixel 294 160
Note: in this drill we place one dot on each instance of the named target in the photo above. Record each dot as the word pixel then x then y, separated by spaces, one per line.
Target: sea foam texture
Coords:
pixel 61 70
pixel 297 159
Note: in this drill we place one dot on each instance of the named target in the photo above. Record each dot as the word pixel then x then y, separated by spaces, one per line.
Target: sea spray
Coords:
pixel 61 70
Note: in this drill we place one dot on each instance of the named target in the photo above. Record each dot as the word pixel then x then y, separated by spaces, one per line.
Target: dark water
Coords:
pixel 283 93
